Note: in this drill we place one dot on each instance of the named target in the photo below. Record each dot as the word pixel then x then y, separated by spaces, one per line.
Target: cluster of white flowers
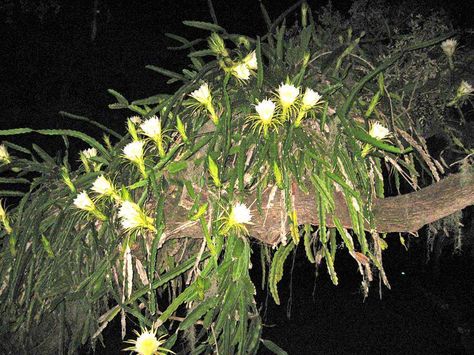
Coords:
pixel 287 97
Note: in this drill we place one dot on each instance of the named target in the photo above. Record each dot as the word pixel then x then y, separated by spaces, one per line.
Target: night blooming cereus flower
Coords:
pixel 204 97
pixel 147 343
pixel 89 153
pixel 84 202
pixel 310 99
pixel 152 129
pixel 133 151
pixel 377 131
pixel 4 155
pixel 86 155
pixel 287 95
pixel 449 47
pixel 465 89
pixel 136 119
pixel 265 116
pixel 241 71
pixel 103 186
pixel 251 61
pixel 238 217
pixel 132 217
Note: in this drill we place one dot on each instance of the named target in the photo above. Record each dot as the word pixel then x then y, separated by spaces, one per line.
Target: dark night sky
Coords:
pixel 52 66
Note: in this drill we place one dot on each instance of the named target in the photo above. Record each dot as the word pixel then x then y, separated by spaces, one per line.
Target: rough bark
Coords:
pixel 403 213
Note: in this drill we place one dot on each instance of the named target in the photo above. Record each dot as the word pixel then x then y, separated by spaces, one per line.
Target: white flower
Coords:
pixel 133 217
pixel 103 186
pixel 310 98
pixel 241 71
pixel 134 151
pixel 147 343
pixel 265 110
pixel 89 153
pixel 135 119
pixel 240 214
pixel 251 61
pixel 4 155
pixel 465 89
pixel 83 202
pixel 152 127
pixel 288 94
pixel 378 131
pixel 449 47
pixel 202 95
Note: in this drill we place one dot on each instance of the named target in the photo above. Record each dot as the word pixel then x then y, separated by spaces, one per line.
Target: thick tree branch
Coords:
pixel 403 213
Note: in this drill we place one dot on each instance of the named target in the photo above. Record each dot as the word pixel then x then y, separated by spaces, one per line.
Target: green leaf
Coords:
pixel 45 156
pixel 10 193
pixel 176 166
pixel 363 136
pixel 214 171
pixel 166 72
pixel 258 53
pixel 270 345
pixel 198 312
pixel 120 98
pixel 204 26
pixel 201 210
pixel 201 53
pixel 58 132
pixel 4 180
pixel 47 246
pixel 276 269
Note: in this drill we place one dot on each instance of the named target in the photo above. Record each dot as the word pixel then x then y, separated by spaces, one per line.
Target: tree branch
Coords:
pixel 403 213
